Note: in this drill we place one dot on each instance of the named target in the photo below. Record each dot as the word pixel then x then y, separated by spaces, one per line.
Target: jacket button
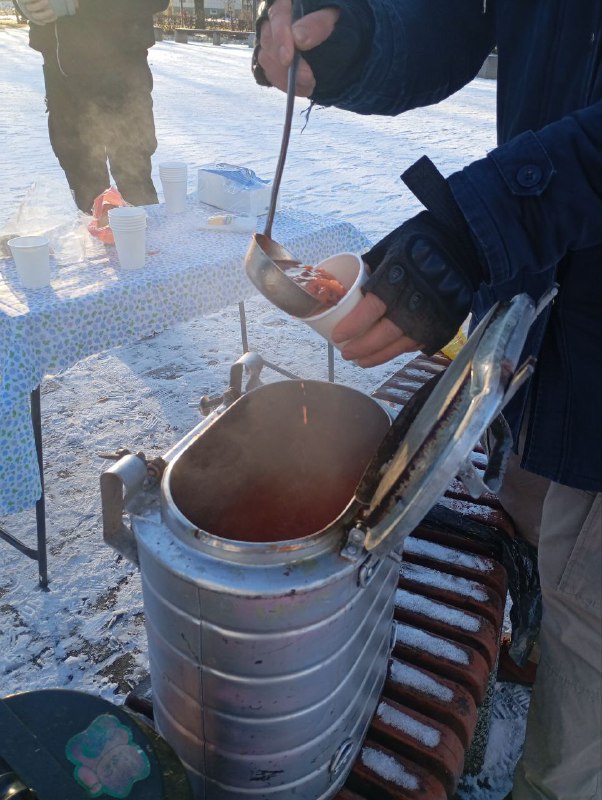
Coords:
pixel 529 175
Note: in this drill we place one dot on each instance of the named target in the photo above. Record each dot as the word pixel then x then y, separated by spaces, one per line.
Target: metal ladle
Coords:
pixel 266 261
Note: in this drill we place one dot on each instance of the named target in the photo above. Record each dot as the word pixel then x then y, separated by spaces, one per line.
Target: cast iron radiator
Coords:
pixel 432 722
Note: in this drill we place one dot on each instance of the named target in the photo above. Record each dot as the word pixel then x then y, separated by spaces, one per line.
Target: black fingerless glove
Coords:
pixel 336 62
pixel 427 270
pixel 256 68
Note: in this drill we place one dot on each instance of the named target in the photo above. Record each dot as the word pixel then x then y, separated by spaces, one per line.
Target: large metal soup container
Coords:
pixel 269 560
pixel 268 648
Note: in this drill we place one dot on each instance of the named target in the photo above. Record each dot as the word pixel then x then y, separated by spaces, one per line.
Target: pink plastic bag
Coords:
pixel 99 227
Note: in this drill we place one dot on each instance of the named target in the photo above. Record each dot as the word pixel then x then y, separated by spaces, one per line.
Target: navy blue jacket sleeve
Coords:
pixel 401 71
pixel 537 197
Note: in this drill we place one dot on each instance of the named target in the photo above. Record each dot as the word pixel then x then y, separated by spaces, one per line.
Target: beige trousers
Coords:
pixel 562 757
pixel 522 494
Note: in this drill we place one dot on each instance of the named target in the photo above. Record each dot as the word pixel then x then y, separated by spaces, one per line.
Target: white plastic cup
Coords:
pixel 128 224
pixel 173 169
pixel 32 260
pixel 174 192
pixel 350 270
pixel 174 180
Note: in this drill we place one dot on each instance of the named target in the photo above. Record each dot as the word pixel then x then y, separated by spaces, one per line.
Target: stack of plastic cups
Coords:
pixel 174 179
pixel 128 224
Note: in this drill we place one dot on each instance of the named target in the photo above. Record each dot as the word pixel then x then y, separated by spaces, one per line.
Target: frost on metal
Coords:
pixel 406 675
pixel 436 645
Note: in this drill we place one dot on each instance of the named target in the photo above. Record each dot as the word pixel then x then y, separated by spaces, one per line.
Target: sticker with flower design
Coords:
pixel 106 759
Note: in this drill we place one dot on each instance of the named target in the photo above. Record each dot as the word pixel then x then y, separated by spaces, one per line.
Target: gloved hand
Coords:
pixel 38 11
pixel 426 273
pixel 333 36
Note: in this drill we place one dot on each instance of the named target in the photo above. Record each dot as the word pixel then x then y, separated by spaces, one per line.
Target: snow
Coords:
pixel 425 734
pixel 410 676
pixel 87 631
pixel 435 645
pixel 439 611
pixel 388 768
pixel 432 577
pixel 431 549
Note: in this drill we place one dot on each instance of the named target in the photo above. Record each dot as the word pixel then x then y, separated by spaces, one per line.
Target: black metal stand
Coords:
pixel 38 554
pixel 245 348
pixel 243 327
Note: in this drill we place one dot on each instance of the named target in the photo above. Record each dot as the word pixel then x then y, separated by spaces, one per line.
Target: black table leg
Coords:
pixel 36 419
pixel 39 554
pixel 330 363
pixel 243 327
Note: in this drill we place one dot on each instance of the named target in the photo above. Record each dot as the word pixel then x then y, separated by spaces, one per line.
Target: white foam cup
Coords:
pixel 125 217
pixel 173 171
pixel 173 166
pixel 31 255
pixel 128 224
pixel 174 193
pixel 174 180
pixel 350 270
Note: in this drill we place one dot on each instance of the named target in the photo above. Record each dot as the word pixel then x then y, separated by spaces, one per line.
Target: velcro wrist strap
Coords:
pixel 430 187
pixel 425 294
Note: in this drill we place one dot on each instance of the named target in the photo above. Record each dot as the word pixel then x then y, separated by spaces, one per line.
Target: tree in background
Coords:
pixel 199 13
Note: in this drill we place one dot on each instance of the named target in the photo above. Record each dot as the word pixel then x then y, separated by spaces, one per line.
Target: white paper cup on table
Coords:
pixel 174 180
pixel 350 270
pixel 31 255
pixel 128 224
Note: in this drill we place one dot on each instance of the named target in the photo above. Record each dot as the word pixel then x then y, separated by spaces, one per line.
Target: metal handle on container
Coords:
pixel 117 484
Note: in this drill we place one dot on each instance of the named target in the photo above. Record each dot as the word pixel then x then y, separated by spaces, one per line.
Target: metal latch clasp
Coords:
pixel 354 546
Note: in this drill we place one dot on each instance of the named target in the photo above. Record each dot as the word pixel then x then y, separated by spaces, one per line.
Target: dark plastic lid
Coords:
pixel 67 744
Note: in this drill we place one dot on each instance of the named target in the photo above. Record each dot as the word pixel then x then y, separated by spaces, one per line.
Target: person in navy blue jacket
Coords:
pixel 522 219
pixel 98 93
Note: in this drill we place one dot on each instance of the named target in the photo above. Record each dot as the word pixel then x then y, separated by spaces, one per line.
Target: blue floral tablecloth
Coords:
pixel 95 305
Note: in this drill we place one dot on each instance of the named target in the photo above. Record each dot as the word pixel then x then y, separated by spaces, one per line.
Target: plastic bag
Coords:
pixel 520 561
pixel 452 348
pixel 99 226
pixel 48 209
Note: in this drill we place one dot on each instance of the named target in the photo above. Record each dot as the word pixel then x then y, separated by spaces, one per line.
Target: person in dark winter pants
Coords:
pixel 522 219
pixel 98 93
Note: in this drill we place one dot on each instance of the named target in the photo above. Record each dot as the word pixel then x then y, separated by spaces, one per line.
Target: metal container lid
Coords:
pixel 418 458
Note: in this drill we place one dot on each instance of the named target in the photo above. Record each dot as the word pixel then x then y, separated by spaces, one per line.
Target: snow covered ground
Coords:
pixel 87 631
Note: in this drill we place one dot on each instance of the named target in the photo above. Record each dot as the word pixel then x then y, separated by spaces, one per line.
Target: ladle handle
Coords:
pixel 297 13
